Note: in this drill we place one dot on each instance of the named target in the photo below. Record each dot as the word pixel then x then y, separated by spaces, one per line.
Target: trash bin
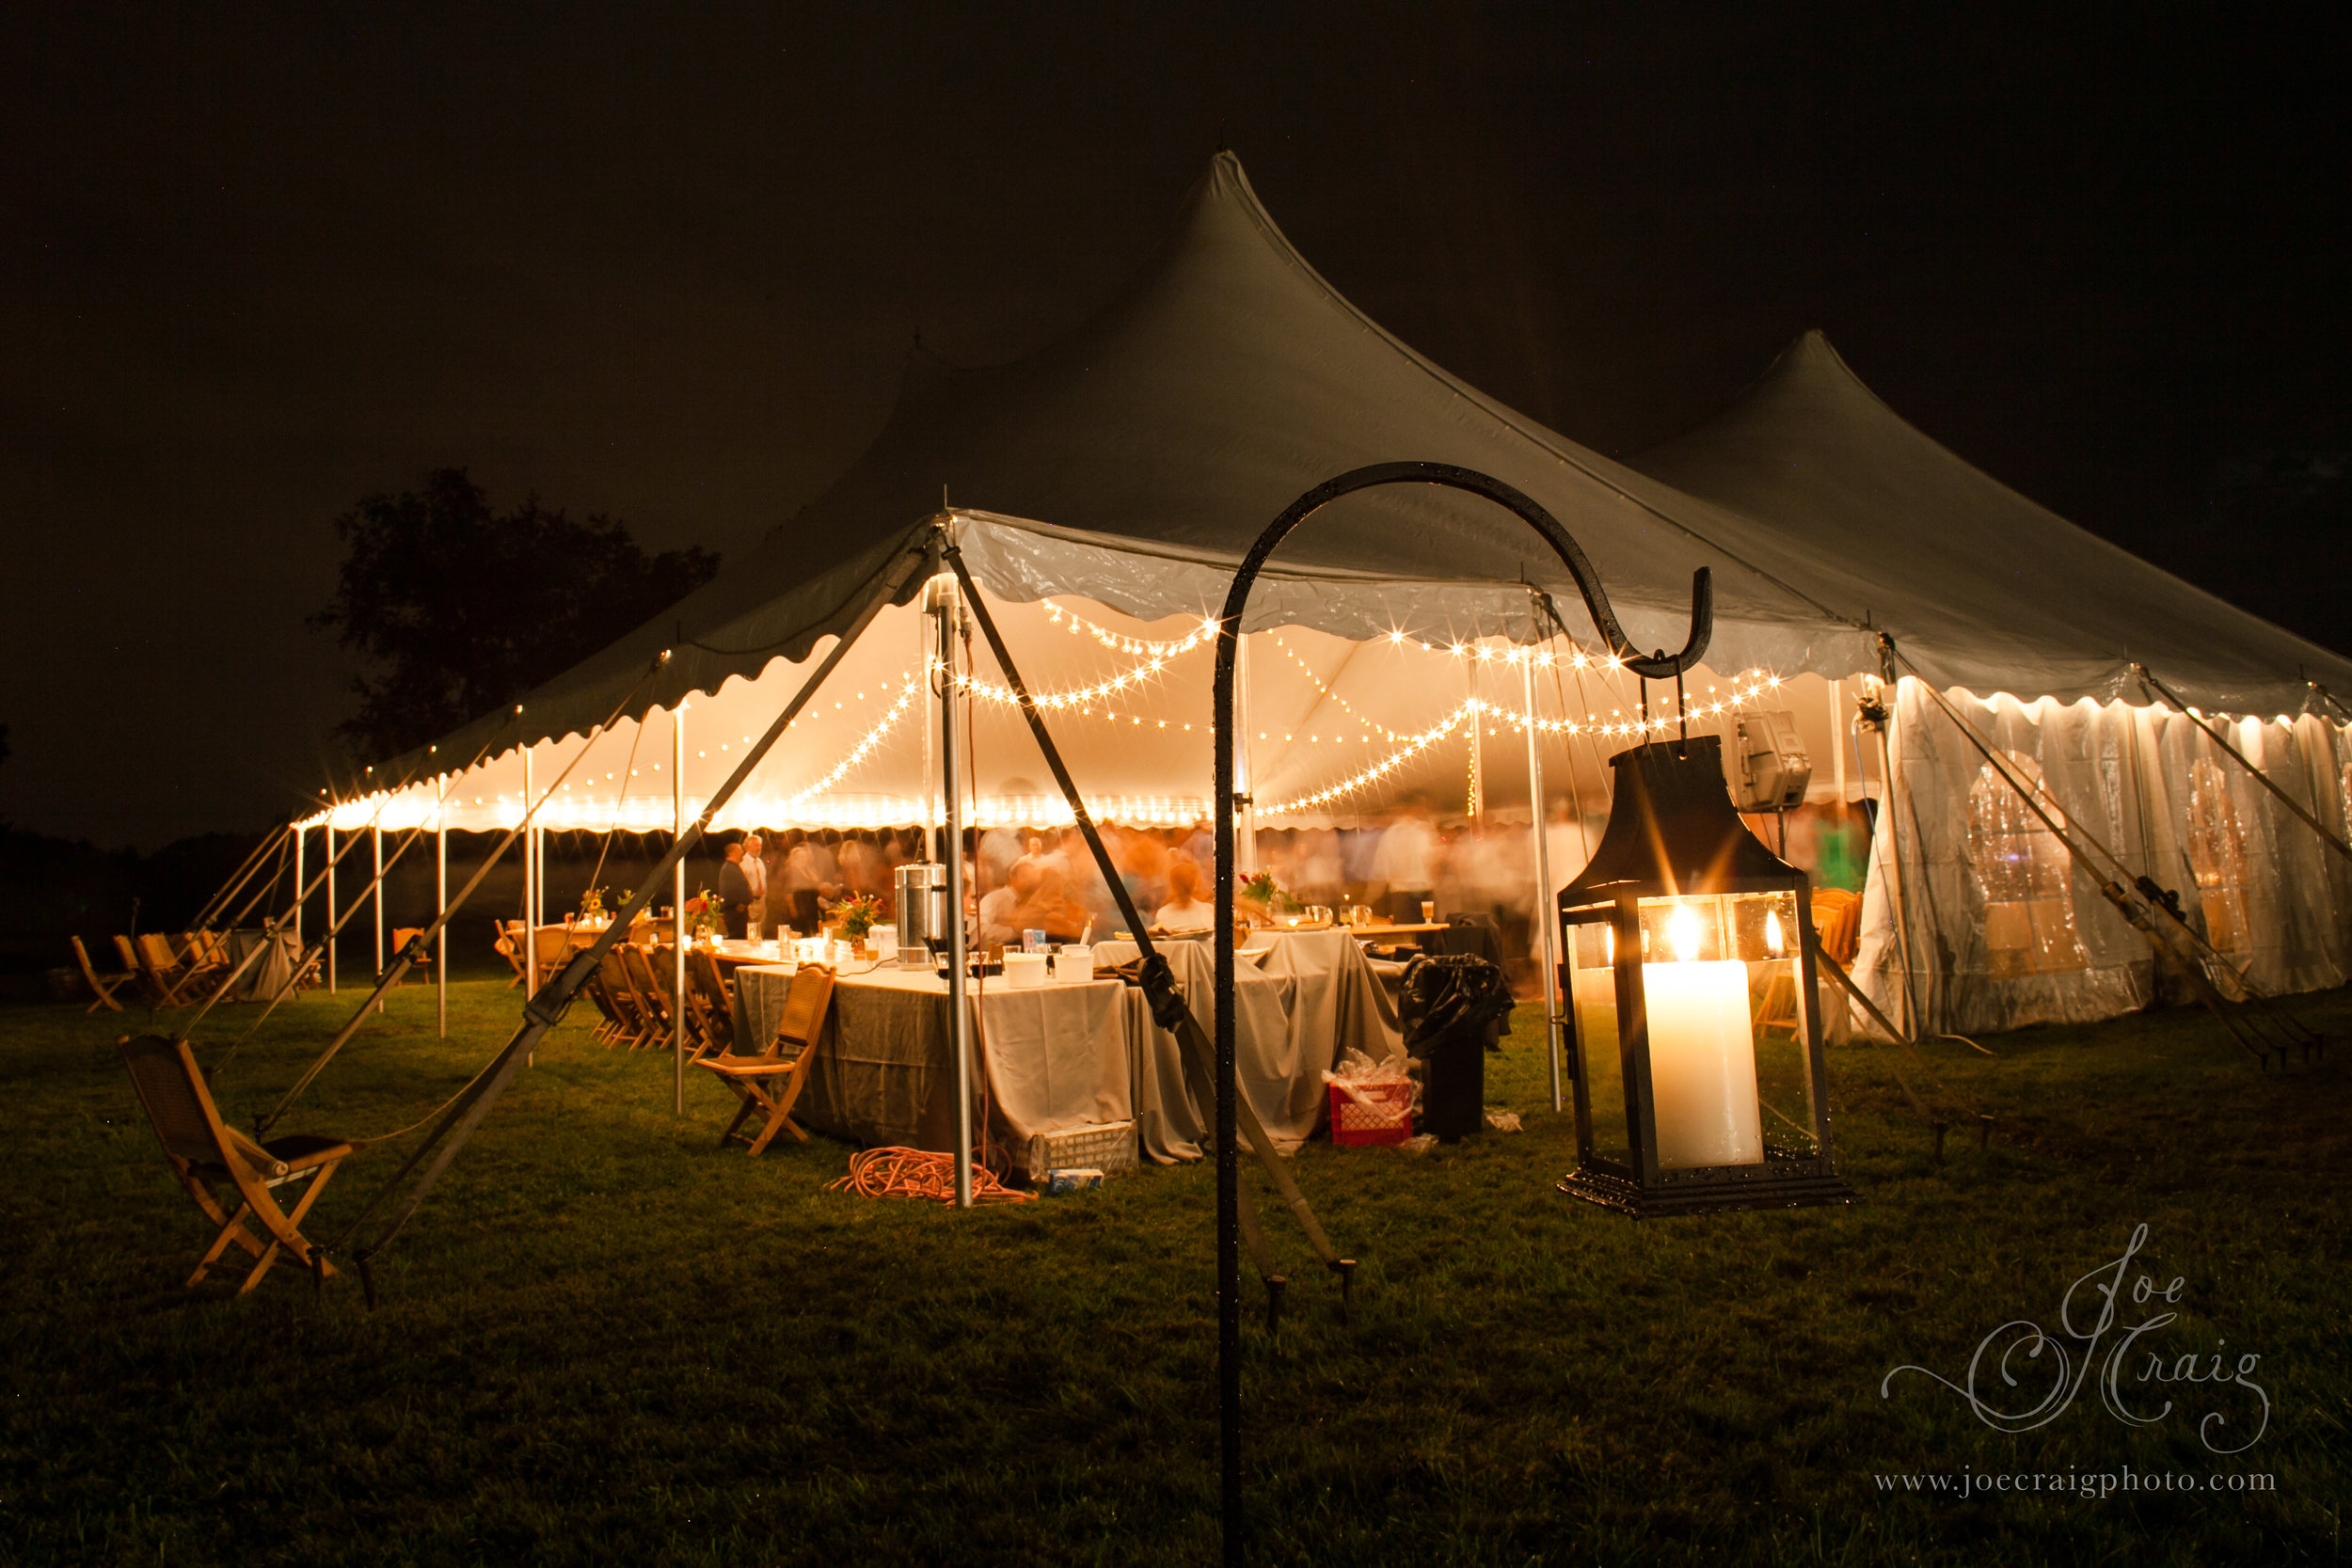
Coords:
pixel 1454 1009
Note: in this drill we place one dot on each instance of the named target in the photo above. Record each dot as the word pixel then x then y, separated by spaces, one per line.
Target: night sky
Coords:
pixel 669 265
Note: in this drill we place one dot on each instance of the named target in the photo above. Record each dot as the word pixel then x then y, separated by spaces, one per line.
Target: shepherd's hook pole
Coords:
pixel 1225 803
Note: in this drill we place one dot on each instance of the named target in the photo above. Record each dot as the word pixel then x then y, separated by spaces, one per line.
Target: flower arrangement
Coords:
pixel 859 913
pixel 702 913
pixel 591 903
pixel 1260 898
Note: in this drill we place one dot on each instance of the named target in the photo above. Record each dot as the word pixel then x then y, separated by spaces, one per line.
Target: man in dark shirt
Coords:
pixel 735 894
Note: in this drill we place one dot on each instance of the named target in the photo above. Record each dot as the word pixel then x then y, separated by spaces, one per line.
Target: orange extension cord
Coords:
pixel 896 1172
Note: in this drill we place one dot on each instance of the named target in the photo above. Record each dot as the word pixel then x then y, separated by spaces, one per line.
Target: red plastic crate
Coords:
pixel 1388 1121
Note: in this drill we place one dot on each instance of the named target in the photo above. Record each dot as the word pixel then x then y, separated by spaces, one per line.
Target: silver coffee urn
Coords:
pixel 922 913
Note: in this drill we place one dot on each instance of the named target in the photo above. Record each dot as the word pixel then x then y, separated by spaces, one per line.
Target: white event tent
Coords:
pixel 1103 489
pixel 2032 634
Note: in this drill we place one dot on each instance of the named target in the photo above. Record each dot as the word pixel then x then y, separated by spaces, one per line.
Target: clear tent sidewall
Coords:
pixel 2151 785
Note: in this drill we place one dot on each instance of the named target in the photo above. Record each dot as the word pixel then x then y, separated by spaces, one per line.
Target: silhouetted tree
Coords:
pixel 458 611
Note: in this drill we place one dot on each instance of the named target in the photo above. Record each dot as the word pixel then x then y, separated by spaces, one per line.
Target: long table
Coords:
pixel 1077 1052
pixel 1054 1056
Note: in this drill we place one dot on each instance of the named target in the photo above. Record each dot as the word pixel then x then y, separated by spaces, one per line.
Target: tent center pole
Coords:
pixel 331 943
pixel 943 606
pixel 530 938
pixel 441 902
pixel 678 911
pixel 1546 917
pixel 1246 776
pixel 375 842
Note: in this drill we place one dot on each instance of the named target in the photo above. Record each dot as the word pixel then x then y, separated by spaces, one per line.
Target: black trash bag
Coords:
pixel 1454 1010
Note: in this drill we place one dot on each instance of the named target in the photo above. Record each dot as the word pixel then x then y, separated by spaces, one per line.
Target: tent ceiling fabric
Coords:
pixel 1979 586
pixel 1135 462
pixel 1128 704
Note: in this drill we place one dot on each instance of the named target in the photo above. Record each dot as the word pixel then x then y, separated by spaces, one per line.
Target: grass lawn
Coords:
pixel 604 1340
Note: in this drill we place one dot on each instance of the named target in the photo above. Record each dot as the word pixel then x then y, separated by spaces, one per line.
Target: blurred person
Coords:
pixel 1405 863
pixel 1183 910
pixel 1082 879
pixel 1053 910
pixel 805 886
pixel 862 867
pixel 999 849
pixel 1001 911
pixel 755 873
pixel 1316 864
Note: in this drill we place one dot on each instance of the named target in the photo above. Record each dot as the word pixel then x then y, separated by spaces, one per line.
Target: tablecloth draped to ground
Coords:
pixel 272 973
pixel 1056 1055
pixel 1299 1003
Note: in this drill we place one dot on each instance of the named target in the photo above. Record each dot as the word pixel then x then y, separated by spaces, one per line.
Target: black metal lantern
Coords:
pixel 1690 988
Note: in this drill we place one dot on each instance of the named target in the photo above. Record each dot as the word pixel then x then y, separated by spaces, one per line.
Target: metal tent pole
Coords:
pixel 677 910
pixel 1547 918
pixel 1244 776
pixel 530 923
pixel 331 931
pixel 943 606
pixel 440 905
pixel 376 843
pixel 301 838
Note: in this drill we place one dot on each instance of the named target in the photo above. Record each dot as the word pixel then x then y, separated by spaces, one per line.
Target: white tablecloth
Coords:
pixel 1298 1003
pixel 270 973
pixel 1056 1055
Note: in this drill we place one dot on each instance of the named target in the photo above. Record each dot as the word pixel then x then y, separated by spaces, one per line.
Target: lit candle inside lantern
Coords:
pixel 1701 1059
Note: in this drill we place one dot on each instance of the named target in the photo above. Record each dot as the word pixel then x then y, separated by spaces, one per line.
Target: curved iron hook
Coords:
pixel 1658 666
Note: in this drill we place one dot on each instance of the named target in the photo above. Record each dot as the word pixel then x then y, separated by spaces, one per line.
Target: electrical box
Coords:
pixel 1770 770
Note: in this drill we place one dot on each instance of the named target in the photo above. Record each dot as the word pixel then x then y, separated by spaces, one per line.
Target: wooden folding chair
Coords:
pixel 159 966
pixel 1837 921
pixel 105 985
pixel 653 997
pixel 212 1159
pixel 600 993
pixel 1838 925
pixel 709 1007
pixel 422 968
pixel 642 1016
pixel 550 950
pixel 769 1083
pixel 510 943
pixel 204 959
pixel 629 1022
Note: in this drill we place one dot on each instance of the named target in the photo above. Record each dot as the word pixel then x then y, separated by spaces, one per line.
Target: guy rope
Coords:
pixel 1169 1011
pixel 310 955
pixel 2193 958
pixel 455 1123
pixel 2148 680
pixel 407 957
